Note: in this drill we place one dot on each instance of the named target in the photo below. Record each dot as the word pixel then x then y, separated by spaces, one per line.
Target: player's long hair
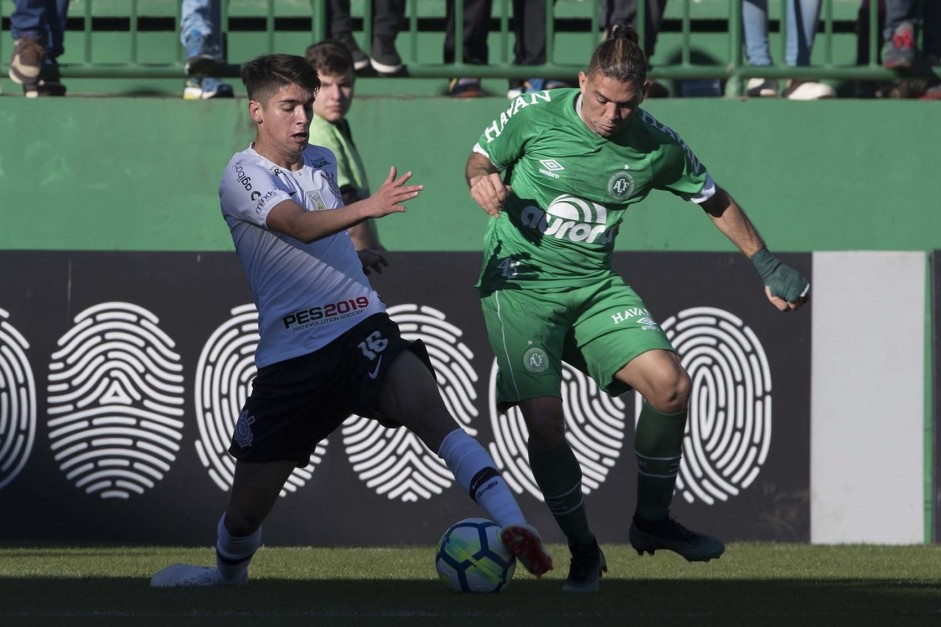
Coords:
pixel 263 76
pixel 620 57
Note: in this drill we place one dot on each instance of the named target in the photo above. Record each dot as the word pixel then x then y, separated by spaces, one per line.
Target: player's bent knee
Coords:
pixel 671 397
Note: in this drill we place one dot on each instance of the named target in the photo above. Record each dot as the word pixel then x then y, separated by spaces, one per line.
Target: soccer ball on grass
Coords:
pixel 471 557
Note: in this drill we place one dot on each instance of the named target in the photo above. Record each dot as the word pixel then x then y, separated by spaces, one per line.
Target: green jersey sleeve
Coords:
pixel 504 140
pixel 675 168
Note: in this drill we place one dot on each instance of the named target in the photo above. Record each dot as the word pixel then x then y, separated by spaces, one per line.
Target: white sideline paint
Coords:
pixel 867 391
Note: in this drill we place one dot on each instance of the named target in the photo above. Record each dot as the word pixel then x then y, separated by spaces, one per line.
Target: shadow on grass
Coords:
pixel 285 603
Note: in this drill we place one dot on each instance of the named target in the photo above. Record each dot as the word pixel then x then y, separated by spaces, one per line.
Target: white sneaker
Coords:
pixel 808 90
pixel 189 576
pixel 761 88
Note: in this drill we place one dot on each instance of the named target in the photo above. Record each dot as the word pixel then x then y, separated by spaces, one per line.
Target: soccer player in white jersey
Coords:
pixel 557 171
pixel 327 348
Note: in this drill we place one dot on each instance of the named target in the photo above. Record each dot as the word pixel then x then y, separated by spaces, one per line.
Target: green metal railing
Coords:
pixel 732 69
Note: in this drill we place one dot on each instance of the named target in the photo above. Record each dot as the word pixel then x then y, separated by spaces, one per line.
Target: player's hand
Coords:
pixel 783 305
pixel 372 260
pixel 489 192
pixel 785 287
pixel 390 195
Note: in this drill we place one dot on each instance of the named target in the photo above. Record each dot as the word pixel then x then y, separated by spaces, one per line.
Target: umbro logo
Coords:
pixel 550 167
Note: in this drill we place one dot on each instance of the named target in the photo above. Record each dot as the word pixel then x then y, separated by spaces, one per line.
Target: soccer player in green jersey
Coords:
pixel 556 172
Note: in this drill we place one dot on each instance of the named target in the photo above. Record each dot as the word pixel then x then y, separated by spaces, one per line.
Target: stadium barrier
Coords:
pixel 699 41
pixel 122 377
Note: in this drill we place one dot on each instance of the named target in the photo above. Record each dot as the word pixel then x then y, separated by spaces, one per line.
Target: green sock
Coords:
pixel 560 478
pixel 658 444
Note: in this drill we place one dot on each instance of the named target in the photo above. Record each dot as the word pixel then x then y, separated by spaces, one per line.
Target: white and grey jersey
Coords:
pixel 307 295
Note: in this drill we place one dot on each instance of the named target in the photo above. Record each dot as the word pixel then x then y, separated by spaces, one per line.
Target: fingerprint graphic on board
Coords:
pixel 224 375
pixel 594 423
pixel 115 401
pixel 728 433
pixel 395 462
pixel 17 402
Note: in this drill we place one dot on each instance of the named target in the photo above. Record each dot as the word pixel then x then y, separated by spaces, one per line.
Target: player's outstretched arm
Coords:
pixel 308 226
pixel 486 186
pixel 785 287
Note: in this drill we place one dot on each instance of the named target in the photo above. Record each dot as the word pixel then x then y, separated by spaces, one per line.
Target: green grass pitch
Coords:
pixel 752 584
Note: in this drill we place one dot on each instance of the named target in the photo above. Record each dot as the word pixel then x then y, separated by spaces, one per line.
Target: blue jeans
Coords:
pixel 802 16
pixel 201 28
pixel 43 20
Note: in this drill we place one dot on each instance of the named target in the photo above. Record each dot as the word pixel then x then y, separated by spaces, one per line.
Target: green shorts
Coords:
pixel 596 329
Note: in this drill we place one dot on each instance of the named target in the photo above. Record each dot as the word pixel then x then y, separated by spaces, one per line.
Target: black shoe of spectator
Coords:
pixel 384 58
pixel 43 88
pixel 465 88
pixel 360 58
pixel 47 84
pixel 200 65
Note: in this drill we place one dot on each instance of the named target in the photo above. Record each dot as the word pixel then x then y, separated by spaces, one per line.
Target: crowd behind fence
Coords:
pixel 142 39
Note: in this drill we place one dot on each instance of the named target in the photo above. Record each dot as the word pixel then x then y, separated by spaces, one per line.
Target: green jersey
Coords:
pixel 571 187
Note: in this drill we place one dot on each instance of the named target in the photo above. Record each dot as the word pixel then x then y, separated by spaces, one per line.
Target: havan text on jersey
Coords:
pixel 493 131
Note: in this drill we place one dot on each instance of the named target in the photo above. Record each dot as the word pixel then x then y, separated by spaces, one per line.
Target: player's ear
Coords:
pixel 254 110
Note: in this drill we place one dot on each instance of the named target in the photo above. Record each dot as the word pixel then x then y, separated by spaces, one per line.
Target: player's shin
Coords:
pixel 234 553
pixel 476 473
pixel 559 476
pixel 658 444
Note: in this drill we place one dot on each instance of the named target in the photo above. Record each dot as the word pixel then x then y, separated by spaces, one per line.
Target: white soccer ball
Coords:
pixel 471 557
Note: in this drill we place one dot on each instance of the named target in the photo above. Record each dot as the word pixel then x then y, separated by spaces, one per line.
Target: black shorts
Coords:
pixel 296 403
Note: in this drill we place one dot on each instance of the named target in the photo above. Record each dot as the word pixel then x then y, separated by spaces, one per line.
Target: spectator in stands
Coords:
pixel 387 19
pixel 802 16
pixel 201 36
pixel 932 46
pixel 529 27
pixel 624 12
pixel 899 50
pixel 38 30
pixel 329 128
pixel 476 51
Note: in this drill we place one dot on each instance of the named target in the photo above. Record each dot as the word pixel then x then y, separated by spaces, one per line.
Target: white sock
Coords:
pixel 234 553
pixel 477 474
